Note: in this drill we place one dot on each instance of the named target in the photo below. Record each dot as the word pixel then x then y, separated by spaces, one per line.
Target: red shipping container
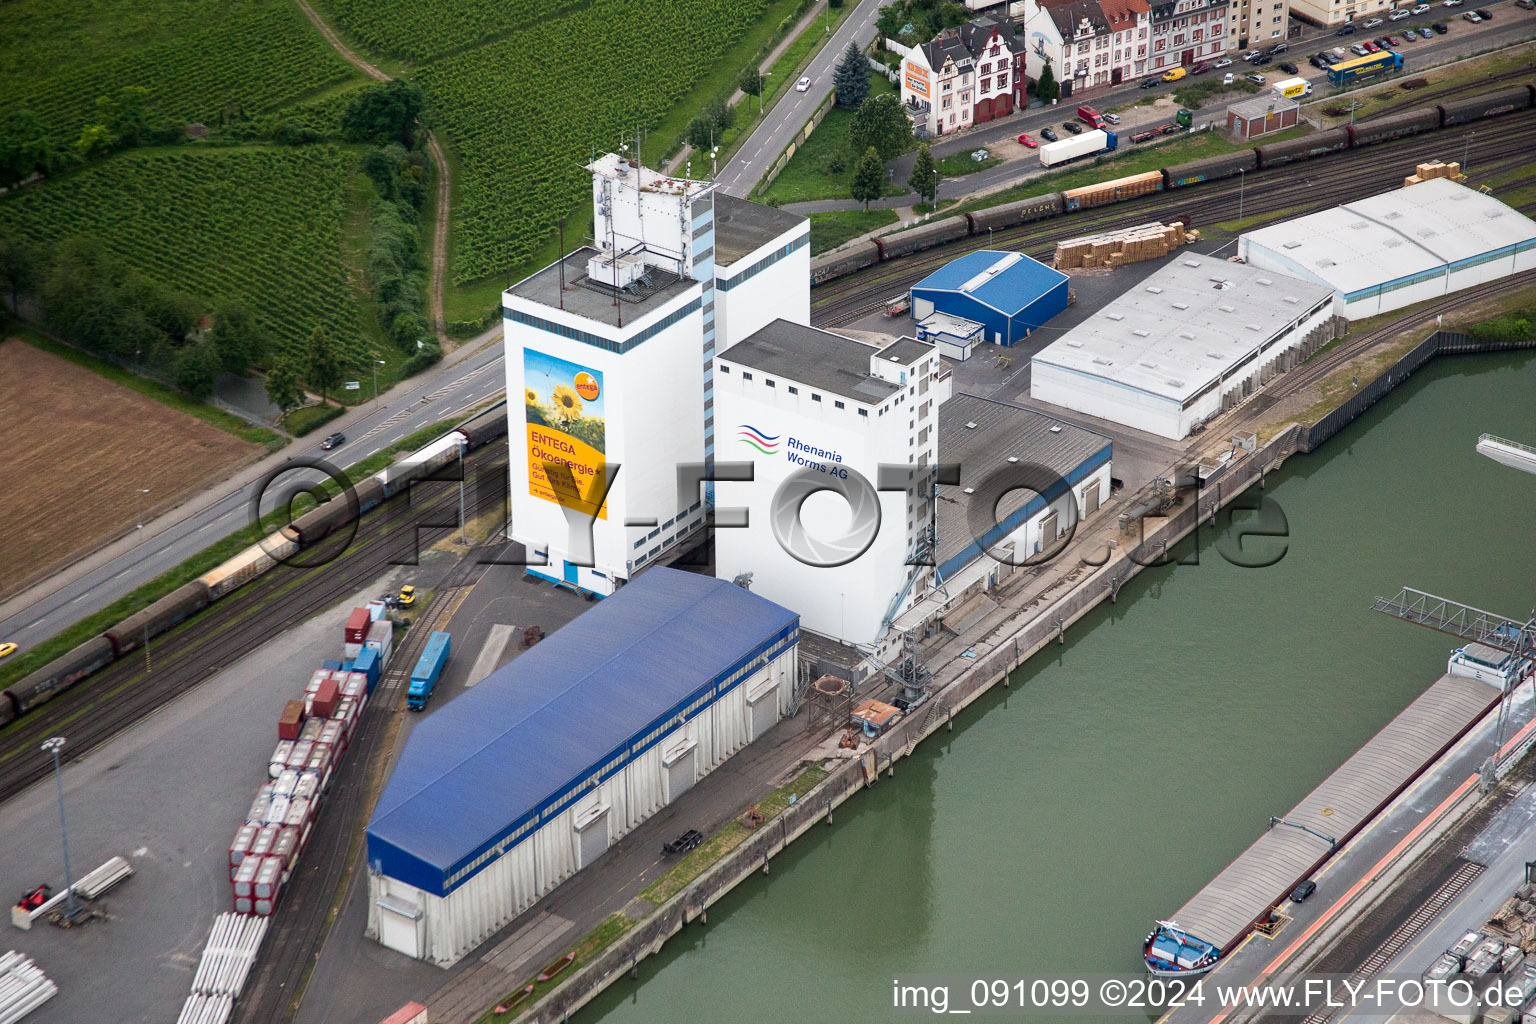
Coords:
pixel 262 844
pixel 291 721
pixel 357 626
pixel 320 676
pixel 245 876
pixel 326 698
pixel 240 847
pixel 286 846
pixel 269 879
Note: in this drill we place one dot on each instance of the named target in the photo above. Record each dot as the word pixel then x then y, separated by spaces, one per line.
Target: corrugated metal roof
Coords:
pixel 552 715
pixel 1018 280
pixel 1393 235
pixel 815 358
pixel 992 440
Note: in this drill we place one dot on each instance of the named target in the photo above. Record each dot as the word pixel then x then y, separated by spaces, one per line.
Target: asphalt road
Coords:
pixel 791 113
pixel 117 569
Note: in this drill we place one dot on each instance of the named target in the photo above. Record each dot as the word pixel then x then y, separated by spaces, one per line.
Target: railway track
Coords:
pixel 128 689
pixel 1291 189
pixel 1412 99
pixel 304 919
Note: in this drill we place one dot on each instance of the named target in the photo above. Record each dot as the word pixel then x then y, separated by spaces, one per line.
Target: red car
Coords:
pixel 1025 140
pixel 1392 41
pixel 1200 69
pixel 1370 46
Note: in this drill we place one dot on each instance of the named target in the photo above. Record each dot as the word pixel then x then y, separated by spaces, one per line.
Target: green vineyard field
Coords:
pixel 261 225
pixel 197 58
pixel 524 114
pixel 420 30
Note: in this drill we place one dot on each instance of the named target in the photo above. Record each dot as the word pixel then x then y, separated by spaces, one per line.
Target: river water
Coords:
pixel 1125 769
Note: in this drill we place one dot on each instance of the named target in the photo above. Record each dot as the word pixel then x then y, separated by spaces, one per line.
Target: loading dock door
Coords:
pixel 400 926
pixel 1090 499
pixel 592 834
pixel 682 767
pixel 763 708
pixel 1048 530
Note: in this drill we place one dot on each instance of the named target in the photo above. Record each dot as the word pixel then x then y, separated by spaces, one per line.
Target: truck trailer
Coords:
pixel 1293 88
pixel 428 668
pixel 1077 147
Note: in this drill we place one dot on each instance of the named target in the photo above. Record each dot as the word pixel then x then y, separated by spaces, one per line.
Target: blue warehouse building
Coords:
pixel 1006 293
pixel 518 783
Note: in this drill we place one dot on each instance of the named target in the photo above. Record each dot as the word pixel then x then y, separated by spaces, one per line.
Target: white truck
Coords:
pixel 1293 88
pixel 1090 142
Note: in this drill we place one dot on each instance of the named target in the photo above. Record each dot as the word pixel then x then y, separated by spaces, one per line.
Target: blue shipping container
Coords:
pixel 331 666
pixel 428 668
pixel 367 663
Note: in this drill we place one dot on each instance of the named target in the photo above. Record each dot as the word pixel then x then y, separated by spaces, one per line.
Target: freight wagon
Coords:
pixel 429 667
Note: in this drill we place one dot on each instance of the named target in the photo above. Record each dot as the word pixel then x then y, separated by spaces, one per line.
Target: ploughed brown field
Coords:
pixel 75 447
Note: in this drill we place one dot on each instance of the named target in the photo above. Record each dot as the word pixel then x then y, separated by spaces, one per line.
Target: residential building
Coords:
pixel 1094 44
pixel 1262 23
pixel 964 76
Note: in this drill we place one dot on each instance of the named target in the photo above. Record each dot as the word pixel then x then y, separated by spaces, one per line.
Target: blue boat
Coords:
pixel 1171 952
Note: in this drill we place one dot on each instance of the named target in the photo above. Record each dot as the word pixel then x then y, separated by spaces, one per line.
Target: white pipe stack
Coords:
pixel 229 954
pixel 23 987
pixel 206 1009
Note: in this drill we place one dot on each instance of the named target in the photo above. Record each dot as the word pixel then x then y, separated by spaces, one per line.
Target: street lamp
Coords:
pixel 1242 180
pixel 714 169
pixel 53 745
pixel 138 508
pixel 376 364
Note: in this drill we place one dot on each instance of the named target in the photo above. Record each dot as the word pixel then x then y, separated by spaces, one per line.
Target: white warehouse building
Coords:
pixel 518 783
pixel 612 348
pixel 1397 248
pixel 829 412
pixel 1194 339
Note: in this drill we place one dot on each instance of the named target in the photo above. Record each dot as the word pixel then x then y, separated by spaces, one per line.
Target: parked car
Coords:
pixel 1319 61
pixel 1453 3
pixel 1471 16
pixel 336 440
pixel 1278 48
pixel 803 85
pixel 1398 15
pixel 1290 69
pixel 1251 55
pixel 1228 78
pixel 1225 62
pixel 1386 43
pixel 1421 8
pixel 1262 60
pixel 1440 27
pixel 1200 69
pixel 1150 83
pixel 1484 13
pixel 1048 135
pixel 1025 140
pixel 1526 5
pixel 1112 118
pixel 1255 78
pixel 1371 46
pixel 1304 889
pixel 1174 74
pixel 1347 30
pixel 1374 22
pixel 1359 50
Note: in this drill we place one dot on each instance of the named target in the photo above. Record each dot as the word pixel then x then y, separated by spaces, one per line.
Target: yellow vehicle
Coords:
pixel 1174 74
pixel 7 649
pixel 407 596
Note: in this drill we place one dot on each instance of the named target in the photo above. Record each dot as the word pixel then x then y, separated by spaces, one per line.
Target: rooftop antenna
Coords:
pixel 560 225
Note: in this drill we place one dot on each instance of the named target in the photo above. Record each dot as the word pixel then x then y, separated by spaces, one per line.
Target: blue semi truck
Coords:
pixel 428 668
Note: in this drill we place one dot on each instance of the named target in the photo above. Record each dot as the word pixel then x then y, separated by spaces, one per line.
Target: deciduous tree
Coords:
pixel 384 113
pixel 881 123
pixel 323 362
pixel 24 147
pixel 283 387
pixel 868 178
pixel 924 179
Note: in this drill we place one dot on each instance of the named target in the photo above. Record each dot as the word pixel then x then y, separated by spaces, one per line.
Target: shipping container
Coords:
pixel 245 875
pixel 279 759
pixel 381 637
pixel 367 665
pixel 312 727
pixel 322 759
pixel 376 610
pixel 327 696
pixel 288 779
pixel 330 664
pixel 298 814
pixel 263 799
pixel 356 630
pixel 240 848
pixel 300 756
pixel 269 879
pixel 291 721
pixel 429 667
pixel 277 813
pixel 351 651
pixel 286 846
pixel 309 785
pixel 1077 147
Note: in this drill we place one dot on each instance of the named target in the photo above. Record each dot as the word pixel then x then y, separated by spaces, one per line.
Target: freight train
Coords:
pixel 48 682
pixel 1261 157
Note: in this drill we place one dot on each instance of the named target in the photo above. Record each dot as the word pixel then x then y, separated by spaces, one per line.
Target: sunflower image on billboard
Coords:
pixel 564 405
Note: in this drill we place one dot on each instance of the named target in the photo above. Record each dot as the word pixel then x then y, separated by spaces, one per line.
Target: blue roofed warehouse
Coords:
pixel 509 789
pixel 1007 293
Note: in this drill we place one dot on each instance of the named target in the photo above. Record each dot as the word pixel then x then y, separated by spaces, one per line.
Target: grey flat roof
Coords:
pixel 1001 430
pixel 1258 106
pixel 905 351
pixel 817 359
pixel 1184 325
pixel 742 226
pixel 594 300
pixel 1381 238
